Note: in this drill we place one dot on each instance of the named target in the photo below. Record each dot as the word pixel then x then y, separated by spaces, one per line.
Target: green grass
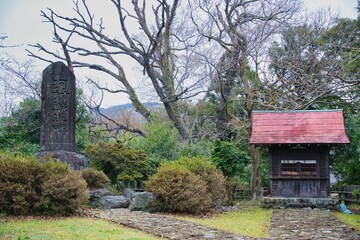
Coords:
pixel 352 220
pixel 67 228
pixel 250 220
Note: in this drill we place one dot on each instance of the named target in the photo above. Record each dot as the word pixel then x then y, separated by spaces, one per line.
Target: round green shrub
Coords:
pixel 178 190
pixel 118 162
pixel 29 187
pixel 95 178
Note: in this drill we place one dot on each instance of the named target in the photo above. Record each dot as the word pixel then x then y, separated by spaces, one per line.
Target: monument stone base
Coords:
pixel 297 202
pixel 75 160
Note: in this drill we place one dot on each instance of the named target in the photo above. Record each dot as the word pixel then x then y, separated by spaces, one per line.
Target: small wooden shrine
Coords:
pixel 298 143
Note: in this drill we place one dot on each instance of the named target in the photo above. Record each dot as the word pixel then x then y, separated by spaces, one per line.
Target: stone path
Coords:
pixel 166 227
pixel 286 224
pixel 308 224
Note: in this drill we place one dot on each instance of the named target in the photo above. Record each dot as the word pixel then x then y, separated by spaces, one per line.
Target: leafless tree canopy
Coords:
pixel 312 61
pixel 18 80
pixel 160 46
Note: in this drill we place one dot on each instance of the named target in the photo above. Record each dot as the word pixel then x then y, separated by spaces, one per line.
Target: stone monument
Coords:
pixel 58 106
pixel 58 115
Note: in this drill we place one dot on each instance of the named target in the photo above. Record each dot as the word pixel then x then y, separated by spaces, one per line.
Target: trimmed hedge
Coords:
pixel 29 187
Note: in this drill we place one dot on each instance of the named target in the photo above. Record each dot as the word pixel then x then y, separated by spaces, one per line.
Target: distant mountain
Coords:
pixel 114 110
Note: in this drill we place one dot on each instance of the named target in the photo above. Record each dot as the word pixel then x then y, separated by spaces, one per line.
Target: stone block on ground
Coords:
pixel 128 193
pixel 109 202
pixel 96 194
pixel 140 200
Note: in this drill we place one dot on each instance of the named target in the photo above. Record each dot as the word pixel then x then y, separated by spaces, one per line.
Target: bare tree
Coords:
pixel 314 60
pixel 243 30
pixel 18 80
pixel 7 100
pixel 156 45
pixel 114 126
pixel 2 38
pixel 24 78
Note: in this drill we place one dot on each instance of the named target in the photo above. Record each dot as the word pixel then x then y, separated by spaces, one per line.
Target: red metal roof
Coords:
pixel 296 127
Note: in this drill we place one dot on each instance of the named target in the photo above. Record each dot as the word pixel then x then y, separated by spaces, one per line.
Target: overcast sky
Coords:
pixel 20 19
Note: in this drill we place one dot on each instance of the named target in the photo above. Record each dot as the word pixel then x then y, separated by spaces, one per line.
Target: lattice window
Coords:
pixel 298 167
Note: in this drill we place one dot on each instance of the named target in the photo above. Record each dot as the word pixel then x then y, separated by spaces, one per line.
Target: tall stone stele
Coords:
pixel 58 116
pixel 58 106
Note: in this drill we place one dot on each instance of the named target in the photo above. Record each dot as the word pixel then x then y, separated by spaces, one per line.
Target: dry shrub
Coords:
pixel 20 183
pixel 178 190
pixel 27 186
pixel 191 184
pixel 95 178
pixel 215 180
pixel 65 193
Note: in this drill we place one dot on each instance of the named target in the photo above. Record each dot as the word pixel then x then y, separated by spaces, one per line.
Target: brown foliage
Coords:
pixel 95 178
pixel 29 187
pixel 65 193
pixel 179 190
pixel 190 184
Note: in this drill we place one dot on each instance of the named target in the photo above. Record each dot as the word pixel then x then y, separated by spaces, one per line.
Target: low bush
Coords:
pixel 95 178
pixel 190 184
pixel 118 162
pixel 214 179
pixel 29 187
pixel 64 193
pixel 178 190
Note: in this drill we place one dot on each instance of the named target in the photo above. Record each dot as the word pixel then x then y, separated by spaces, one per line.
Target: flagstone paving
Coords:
pixel 308 224
pixel 286 224
pixel 166 227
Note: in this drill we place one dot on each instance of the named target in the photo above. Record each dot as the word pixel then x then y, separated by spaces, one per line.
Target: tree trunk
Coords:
pixel 222 116
pixel 139 107
pixel 172 110
pixel 255 153
pixel 166 94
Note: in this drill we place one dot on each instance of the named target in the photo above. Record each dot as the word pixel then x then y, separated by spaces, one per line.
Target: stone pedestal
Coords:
pixel 74 160
pixel 283 202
